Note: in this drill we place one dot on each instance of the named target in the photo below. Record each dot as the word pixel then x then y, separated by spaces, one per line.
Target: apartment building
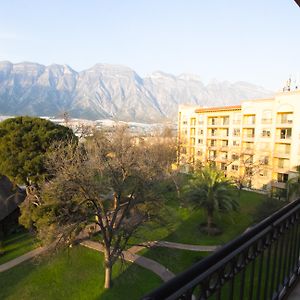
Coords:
pixel 257 142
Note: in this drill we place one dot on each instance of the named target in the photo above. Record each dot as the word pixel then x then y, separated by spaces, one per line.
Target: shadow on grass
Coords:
pixel 79 275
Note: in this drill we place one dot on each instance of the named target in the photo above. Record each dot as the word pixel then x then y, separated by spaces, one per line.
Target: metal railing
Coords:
pixel 262 263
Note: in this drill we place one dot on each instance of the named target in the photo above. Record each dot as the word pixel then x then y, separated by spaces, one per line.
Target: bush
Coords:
pixel 267 207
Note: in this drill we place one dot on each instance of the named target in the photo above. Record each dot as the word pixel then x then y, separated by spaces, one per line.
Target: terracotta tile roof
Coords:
pixel 218 108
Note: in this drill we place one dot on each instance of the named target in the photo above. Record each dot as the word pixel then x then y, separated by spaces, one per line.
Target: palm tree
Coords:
pixel 293 186
pixel 211 190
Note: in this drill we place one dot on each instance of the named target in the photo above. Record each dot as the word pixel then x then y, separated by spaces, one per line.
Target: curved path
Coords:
pixel 14 262
pixel 129 255
pixel 180 246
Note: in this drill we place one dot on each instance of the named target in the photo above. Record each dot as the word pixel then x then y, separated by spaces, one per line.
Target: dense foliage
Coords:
pixel 107 183
pixel 210 190
pixel 23 144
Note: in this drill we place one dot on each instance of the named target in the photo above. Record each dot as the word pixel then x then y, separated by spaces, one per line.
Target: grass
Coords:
pixel 77 275
pixel 175 260
pixel 17 244
pixel 186 230
pixel 182 223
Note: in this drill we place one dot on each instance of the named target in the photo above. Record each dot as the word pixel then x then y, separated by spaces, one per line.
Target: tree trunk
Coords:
pixel 1 239
pixel 177 188
pixel 209 219
pixel 108 272
pixel 108 268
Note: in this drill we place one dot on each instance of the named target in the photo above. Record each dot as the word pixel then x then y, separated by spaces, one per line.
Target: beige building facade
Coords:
pixel 257 143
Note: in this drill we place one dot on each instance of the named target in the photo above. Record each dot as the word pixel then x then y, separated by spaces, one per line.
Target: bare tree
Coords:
pixel 248 168
pixel 108 183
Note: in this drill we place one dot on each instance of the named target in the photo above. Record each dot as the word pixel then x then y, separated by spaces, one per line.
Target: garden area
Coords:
pixel 79 271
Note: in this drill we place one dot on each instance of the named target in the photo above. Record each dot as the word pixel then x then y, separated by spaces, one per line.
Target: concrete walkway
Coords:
pixel 14 262
pixel 130 255
pixel 181 246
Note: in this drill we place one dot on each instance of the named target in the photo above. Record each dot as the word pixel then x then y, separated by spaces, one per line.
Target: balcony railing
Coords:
pixel 262 263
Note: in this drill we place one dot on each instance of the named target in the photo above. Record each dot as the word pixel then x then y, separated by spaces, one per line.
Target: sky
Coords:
pixel 236 40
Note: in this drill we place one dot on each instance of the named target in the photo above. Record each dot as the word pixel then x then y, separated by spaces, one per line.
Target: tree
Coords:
pixel 108 183
pixel 24 142
pixel 267 207
pixel 293 185
pixel 248 168
pixel 210 190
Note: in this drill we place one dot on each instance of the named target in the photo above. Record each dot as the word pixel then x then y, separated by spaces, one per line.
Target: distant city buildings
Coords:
pixel 257 142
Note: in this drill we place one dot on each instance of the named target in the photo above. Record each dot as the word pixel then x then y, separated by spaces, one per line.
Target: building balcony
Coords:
pixel 222 159
pixel 262 263
pixel 278 184
pixel 248 137
pixel 248 150
pixel 224 148
pixel 248 125
pixel 212 147
pixel 281 139
pixel 281 154
pixel 281 169
pixel 284 124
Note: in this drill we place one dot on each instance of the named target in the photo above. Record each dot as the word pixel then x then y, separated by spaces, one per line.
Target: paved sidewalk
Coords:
pixel 181 246
pixel 129 255
pixel 14 262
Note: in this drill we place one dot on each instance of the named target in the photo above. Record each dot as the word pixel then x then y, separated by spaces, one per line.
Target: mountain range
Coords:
pixel 110 92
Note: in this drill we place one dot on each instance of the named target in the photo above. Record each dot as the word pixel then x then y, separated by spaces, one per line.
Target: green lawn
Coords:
pixel 186 230
pixel 182 223
pixel 17 244
pixel 78 275
pixel 175 260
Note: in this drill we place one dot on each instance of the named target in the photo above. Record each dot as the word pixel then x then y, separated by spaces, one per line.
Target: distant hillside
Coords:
pixel 110 91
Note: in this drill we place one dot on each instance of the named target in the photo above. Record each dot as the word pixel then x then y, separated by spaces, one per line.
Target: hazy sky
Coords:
pixel 254 40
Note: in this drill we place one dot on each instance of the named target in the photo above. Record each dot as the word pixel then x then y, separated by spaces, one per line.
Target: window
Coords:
pixel 184 122
pixel 285 133
pixel 223 167
pixel 213 142
pixel 214 132
pixel 199 152
pixel 282 177
pixel 236 118
pixel 236 143
pixel 193 121
pixel 234 167
pixel 282 163
pixel 267 117
pixel 286 118
pixel 227 132
pixel 264 160
pixel 200 131
pixel 183 150
pixel 200 141
pixel 236 132
pixel 225 120
pixel 200 119
pixel 212 154
pixel 224 143
pixel 266 133
pixel 249 119
pixel 234 156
